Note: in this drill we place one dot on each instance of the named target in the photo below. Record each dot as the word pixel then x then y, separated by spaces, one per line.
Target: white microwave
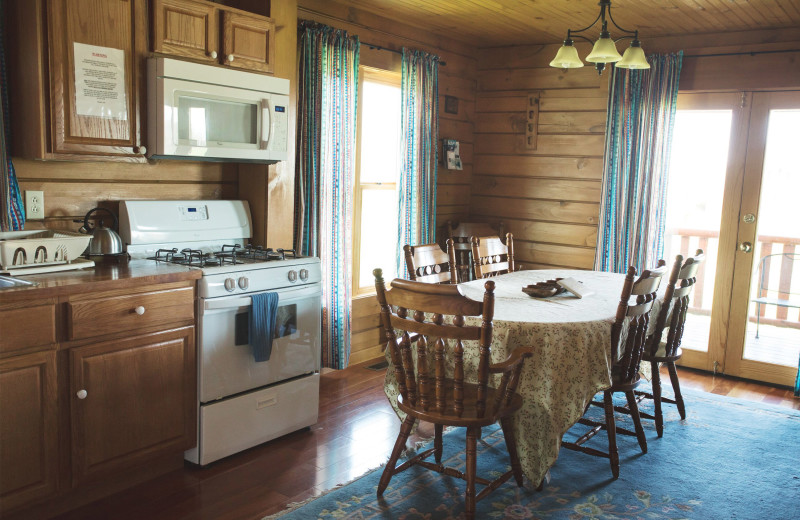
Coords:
pixel 201 112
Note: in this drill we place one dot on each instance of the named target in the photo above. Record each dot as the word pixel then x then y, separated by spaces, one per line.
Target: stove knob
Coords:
pixel 244 283
pixel 292 276
pixel 304 274
pixel 230 284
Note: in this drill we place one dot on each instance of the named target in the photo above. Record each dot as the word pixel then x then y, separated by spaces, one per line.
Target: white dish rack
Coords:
pixel 40 248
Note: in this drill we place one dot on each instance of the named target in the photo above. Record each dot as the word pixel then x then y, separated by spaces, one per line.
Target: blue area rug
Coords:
pixel 729 459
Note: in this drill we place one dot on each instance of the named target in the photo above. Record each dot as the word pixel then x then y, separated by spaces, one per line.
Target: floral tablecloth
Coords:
pixel 572 359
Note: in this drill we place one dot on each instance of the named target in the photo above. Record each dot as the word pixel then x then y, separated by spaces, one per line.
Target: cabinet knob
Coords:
pixel 139 310
pixel 82 394
pixel 213 54
pixel 230 57
pixel 141 150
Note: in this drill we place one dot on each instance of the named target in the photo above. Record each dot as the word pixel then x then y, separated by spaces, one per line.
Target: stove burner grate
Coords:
pixel 232 254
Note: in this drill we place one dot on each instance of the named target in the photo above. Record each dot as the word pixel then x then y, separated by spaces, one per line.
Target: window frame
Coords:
pixel 386 77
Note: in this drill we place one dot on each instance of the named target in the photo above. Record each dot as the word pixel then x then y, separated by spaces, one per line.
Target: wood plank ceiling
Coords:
pixel 515 22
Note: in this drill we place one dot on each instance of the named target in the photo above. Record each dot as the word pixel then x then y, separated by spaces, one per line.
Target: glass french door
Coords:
pixel 733 193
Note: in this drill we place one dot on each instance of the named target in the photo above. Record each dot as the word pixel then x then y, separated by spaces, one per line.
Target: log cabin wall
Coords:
pixel 457 79
pixel 545 190
pixel 73 188
pixel 549 196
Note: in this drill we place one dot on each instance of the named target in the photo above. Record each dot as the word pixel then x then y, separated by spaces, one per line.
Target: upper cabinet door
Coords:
pixel 248 42
pixel 186 28
pixel 97 63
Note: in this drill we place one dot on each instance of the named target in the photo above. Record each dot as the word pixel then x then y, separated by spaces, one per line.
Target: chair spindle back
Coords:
pixel 638 315
pixel 428 263
pixel 490 256
pixel 418 312
pixel 681 281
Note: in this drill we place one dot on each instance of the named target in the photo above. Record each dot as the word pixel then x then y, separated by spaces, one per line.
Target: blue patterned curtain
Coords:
pixel 326 140
pixel 641 115
pixel 797 380
pixel 419 138
pixel 12 216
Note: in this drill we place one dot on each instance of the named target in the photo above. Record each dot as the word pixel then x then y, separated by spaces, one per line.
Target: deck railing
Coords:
pixel 782 278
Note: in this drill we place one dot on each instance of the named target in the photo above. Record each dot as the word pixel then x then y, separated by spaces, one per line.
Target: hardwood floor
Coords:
pixel 355 432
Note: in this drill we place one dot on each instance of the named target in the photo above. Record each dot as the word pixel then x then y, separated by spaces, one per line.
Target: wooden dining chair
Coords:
pixel 672 316
pixel 428 263
pixel 632 318
pixel 417 312
pixel 490 256
pixel 462 233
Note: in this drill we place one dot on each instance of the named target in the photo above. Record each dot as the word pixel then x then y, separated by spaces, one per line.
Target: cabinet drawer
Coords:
pixel 27 327
pixel 89 318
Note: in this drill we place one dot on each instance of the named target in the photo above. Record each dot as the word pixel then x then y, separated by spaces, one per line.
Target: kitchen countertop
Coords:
pixel 109 276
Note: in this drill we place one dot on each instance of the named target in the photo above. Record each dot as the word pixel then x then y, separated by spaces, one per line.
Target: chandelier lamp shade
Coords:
pixel 605 48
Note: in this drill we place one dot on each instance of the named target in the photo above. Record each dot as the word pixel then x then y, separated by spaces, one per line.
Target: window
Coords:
pixel 377 171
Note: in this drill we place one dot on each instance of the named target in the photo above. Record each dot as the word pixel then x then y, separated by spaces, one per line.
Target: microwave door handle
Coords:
pixel 266 123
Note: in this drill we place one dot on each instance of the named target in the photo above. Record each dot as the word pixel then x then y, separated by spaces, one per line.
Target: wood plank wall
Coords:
pixel 547 197
pixel 457 79
pixel 73 188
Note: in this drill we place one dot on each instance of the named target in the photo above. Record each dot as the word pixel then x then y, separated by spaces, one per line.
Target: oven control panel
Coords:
pixel 273 275
pixel 199 212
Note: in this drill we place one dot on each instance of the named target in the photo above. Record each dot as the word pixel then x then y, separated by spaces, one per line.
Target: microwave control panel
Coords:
pixel 280 126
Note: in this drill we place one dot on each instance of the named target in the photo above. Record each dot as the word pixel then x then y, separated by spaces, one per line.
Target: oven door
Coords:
pixel 227 366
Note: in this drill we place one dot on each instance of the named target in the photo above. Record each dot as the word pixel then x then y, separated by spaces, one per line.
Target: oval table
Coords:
pixel 572 360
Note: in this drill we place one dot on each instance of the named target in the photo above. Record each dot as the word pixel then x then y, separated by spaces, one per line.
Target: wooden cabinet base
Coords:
pixel 73 499
pixel 94 400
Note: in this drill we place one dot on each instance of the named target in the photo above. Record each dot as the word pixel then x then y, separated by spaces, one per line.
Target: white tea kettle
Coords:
pixel 105 241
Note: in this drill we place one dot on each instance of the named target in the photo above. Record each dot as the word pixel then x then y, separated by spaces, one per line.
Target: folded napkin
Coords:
pixel 263 314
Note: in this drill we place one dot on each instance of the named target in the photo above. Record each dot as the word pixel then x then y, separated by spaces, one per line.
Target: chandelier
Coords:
pixel 605 49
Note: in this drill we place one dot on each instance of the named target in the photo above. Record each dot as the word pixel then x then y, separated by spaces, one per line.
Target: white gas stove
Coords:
pixel 242 402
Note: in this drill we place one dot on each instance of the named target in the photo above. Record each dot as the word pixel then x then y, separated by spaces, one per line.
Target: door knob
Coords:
pixel 745 247
pixel 82 394
pixel 213 55
pixel 139 310
pixel 230 57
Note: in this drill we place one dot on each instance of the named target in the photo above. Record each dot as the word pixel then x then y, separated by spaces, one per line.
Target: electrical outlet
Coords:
pixel 34 204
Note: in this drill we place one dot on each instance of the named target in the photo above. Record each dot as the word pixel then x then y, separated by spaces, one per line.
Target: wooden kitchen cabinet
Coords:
pixel 28 429
pixel 55 118
pixel 27 326
pixel 131 399
pixel 186 29
pixel 198 28
pixel 98 386
pixel 96 315
pixel 248 41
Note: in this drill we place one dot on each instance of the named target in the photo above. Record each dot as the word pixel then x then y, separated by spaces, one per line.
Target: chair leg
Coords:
pixel 399 445
pixel 473 432
pixel 437 442
pixel 758 318
pixel 657 398
pixel 676 387
pixel 611 428
pixel 637 421
pixel 511 444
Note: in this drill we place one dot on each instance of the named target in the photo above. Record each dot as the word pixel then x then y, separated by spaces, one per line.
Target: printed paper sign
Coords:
pixel 100 82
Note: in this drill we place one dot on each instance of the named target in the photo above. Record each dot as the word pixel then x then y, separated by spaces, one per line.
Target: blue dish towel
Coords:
pixel 263 314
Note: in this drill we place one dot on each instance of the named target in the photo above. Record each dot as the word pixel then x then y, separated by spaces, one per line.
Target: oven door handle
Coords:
pixel 243 302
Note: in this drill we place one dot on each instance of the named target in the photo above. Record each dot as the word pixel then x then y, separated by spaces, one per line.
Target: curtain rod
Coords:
pixel 380 48
pixel 750 53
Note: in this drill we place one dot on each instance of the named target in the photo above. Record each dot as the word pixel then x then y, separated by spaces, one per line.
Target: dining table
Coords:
pixel 572 354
